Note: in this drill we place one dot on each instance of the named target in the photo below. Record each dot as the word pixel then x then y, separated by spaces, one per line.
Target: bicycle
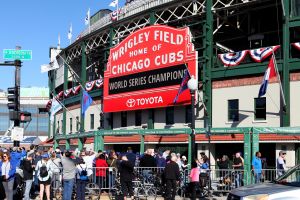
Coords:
pixel 145 190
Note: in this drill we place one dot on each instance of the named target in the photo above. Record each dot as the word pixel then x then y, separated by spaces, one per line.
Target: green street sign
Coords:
pixel 12 54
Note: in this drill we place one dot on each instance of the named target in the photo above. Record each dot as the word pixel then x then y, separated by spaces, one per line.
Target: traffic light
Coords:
pixel 25 116
pixel 12 97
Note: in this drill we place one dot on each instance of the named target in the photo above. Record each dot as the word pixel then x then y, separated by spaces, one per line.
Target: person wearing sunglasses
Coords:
pixel 7 172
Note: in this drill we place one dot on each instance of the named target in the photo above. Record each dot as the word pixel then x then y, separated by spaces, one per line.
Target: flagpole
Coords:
pixel 65 107
pixel 117 10
pixel 58 45
pixel 279 79
pixel 70 32
pixel 89 18
pixel 78 80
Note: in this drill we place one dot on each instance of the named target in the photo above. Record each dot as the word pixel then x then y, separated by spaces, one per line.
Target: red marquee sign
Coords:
pixel 145 70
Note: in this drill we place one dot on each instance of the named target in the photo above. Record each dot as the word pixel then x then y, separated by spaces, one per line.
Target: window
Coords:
pixel 110 120
pixel 92 121
pixel 233 110
pixel 138 118
pixel 169 115
pixel 260 108
pixel 58 128
pixel 71 125
pixel 188 114
pixel 123 119
pixel 77 123
pixel 151 119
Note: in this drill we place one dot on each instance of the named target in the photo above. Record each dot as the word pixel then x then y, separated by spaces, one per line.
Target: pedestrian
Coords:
pixel 44 171
pixel 238 167
pixel 69 172
pixel 281 163
pixel 179 163
pixel 223 165
pixel 56 166
pixel 112 162
pixel 126 177
pixel 101 167
pixel 37 158
pixel 7 171
pixel 160 160
pixel 257 167
pixel 172 177
pixel 28 169
pixel 147 163
pixel 81 180
pixel 130 155
pixel 184 163
pixel 194 180
pixel 166 154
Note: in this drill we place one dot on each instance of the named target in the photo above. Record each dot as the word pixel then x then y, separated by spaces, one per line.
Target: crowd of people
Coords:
pixel 44 171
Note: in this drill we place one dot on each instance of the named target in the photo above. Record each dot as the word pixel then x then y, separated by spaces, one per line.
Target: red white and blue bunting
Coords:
pixel 99 83
pixel 260 54
pixel 114 14
pixel 89 85
pixel 76 89
pixel 233 59
pixel 60 94
pixel 67 92
pixel 296 45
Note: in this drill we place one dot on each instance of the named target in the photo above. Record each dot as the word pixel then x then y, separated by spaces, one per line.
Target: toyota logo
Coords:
pixel 130 103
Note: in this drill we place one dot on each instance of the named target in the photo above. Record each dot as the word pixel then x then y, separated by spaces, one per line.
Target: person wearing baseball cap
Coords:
pixel 281 163
pixel 28 169
pixel 44 173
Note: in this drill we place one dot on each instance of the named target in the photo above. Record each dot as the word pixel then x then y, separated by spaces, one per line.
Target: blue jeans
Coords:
pixel 80 189
pixel 146 175
pixel 27 189
pixel 68 189
pixel 238 179
pixel 111 179
pixel 257 177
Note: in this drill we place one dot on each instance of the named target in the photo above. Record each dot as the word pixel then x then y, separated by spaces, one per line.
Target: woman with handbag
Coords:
pixel 7 171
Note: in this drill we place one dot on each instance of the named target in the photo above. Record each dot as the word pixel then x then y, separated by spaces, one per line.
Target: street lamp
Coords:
pixel 193 86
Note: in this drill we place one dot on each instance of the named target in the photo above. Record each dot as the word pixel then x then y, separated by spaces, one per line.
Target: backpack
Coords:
pixel 83 174
pixel 43 171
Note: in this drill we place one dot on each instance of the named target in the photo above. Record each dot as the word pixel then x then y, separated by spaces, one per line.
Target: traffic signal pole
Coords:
pixel 18 65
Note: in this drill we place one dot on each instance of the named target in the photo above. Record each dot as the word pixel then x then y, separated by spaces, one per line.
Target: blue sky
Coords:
pixel 35 25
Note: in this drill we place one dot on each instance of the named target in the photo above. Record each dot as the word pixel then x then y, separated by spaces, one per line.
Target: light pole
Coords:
pixel 193 86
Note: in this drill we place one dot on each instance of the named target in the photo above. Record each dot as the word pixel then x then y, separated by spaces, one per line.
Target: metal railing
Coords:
pixel 150 181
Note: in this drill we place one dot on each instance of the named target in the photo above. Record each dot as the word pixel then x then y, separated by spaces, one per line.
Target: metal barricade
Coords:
pixel 100 180
pixel 266 175
pixel 107 180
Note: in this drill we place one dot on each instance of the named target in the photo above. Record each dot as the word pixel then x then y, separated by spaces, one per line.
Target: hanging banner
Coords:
pixel 145 70
pixel 260 54
pixel 233 59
